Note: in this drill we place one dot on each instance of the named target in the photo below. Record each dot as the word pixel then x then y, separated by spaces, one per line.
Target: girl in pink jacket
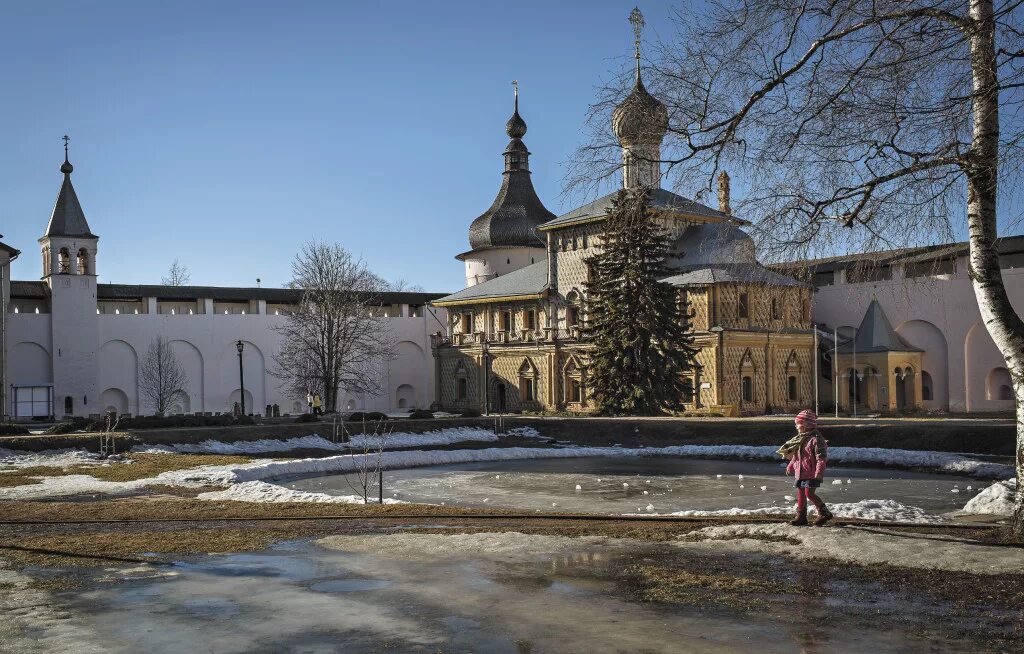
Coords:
pixel 807 464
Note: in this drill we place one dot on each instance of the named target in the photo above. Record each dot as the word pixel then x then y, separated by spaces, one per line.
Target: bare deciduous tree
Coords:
pixel 871 123
pixel 177 275
pixel 335 340
pixel 368 460
pixel 161 375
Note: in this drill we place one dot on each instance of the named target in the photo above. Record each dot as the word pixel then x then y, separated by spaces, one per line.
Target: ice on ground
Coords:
pixel 997 499
pixel 261 491
pixel 882 510
pixel 859 546
pixel 311 442
pixel 51 458
pixel 504 545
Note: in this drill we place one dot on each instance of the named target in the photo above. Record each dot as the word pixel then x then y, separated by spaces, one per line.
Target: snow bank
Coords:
pixel 883 510
pixel 261 491
pixel 316 442
pixel 997 499
pixel 932 461
pixel 859 546
pixel 53 458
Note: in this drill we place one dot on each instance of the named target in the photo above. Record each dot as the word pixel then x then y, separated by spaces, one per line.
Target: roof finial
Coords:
pixel 516 126
pixel 66 167
pixel 636 17
pixel 515 90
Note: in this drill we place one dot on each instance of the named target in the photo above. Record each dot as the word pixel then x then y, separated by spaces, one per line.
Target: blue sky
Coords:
pixel 225 134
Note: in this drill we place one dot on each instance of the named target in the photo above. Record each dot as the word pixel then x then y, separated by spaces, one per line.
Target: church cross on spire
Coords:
pixel 515 90
pixel 66 138
pixel 636 18
pixel 66 167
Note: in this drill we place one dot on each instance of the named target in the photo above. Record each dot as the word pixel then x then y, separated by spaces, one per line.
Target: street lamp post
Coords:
pixel 241 376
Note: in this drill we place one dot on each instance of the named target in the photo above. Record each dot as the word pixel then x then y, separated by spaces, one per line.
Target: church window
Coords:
pixel 461 388
pixel 508 261
pixel 744 305
pixel 506 321
pixel 775 309
pixel 748 389
pixel 69 405
pixel 572 316
pixel 531 319
pixel 527 382
pixel 467 323
pixel 792 388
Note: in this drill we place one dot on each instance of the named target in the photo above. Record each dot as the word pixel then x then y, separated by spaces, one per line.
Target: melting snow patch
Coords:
pixel 261 491
pixel 883 510
pixel 997 499
pixel 854 545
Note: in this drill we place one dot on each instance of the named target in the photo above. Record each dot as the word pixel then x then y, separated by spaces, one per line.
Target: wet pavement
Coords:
pixel 649 485
pixel 508 593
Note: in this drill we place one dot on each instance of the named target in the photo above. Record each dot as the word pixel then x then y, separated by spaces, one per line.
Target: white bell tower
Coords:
pixel 69 268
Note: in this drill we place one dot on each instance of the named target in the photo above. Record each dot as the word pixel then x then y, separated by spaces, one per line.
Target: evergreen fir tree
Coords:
pixel 638 325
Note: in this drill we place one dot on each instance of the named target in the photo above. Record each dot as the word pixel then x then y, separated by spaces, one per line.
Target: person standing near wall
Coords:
pixel 317 405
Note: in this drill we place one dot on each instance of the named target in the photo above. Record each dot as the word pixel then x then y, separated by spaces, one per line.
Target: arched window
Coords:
pixel 792 388
pixel 69 405
pixel 998 386
pixel 793 377
pixel 63 262
pixel 926 386
pixel 461 382
pixel 83 261
pixel 573 375
pixel 747 377
pixel 527 382
pixel 748 389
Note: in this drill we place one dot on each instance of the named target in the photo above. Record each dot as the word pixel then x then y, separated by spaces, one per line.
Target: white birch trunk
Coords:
pixel 1003 324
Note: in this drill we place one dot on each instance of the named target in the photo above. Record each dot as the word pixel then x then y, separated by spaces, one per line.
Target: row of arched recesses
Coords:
pixel 525 393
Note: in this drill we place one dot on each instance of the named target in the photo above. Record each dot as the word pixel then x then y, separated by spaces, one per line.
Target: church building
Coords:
pixel 514 341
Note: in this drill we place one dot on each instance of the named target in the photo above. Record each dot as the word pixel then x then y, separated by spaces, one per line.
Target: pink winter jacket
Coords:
pixel 810 460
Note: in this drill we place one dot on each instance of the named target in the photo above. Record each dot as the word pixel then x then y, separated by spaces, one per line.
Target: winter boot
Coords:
pixel 824 515
pixel 800 520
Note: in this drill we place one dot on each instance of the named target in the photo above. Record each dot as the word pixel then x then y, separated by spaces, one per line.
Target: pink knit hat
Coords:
pixel 806 420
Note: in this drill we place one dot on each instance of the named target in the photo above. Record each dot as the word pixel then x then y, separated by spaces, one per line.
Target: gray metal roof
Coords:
pixel 876 334
pixel 737 273
pixel 1004 245
pixel 33 289
pixel 513 218
pixel 531 280
pixel 661 200
pixel 67 218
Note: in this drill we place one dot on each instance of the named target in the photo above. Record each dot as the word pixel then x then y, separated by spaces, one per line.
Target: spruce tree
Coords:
pixel 638 325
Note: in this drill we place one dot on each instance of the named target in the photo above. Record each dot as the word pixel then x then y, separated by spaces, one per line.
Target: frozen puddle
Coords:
pixel 503 593
pixel 662 485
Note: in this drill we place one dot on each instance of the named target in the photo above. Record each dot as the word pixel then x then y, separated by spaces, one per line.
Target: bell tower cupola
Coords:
pixel 640 123
pixel 68 245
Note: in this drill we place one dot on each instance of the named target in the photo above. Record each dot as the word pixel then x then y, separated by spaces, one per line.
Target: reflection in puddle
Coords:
pixel 554 595
pixel 349 585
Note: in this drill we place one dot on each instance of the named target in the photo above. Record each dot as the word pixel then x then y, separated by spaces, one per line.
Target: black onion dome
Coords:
pixel 516 126
pixel 640 118
pixel 513 218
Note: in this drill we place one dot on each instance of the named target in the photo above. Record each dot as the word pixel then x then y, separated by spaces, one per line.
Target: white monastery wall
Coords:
pixel 939 315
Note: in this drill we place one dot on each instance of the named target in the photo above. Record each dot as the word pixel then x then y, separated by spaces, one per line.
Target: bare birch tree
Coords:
pixel 870 123
pixel 177 275
pixel 161 375
pixel 336 339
